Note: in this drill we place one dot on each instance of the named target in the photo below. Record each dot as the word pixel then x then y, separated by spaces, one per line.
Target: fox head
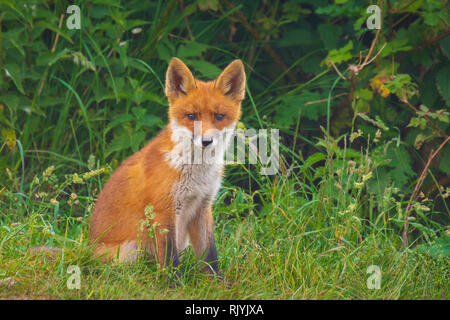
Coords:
pixel 203 111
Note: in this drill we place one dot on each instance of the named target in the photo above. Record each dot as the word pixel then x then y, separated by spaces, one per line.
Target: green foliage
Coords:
pixel 79 101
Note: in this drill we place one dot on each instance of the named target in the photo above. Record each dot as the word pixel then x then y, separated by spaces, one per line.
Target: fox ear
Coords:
pixel 179 79
pixel 231 81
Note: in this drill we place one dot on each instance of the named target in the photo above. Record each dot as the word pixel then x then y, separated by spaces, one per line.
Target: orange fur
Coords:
pixel 148 178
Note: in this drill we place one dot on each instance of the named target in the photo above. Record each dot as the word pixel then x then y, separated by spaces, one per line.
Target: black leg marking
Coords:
pixel 171 259
pixel 171 254
pixel 211 257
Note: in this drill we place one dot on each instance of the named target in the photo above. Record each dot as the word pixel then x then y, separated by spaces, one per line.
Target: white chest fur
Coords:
pixel 193 194
pixel 198 185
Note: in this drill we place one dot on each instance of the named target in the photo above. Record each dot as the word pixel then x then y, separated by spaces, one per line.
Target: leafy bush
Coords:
pixel 363 114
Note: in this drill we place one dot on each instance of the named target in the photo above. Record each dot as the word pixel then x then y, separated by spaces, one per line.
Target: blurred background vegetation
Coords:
pixel 342 95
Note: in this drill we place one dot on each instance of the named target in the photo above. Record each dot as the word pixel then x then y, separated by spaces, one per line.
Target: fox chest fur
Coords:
pixel 192 195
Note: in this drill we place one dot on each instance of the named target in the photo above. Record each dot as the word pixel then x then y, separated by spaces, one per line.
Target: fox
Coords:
pixel 180 193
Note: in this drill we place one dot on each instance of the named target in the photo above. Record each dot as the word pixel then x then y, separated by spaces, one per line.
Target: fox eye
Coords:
pixel 191 116
pixel 219 116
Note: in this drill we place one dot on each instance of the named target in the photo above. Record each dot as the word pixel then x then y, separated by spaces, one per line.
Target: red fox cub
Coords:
pixel 180 193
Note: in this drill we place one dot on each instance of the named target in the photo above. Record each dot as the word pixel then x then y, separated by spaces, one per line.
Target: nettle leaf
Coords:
pixel 395 162
pixel 312 159
pixel 117 120
pixel 138 112
pixel 422 58
pixel 137 138
pixel 400 163
pixel 192 49
pixel 206 68
pixel 443 83
pixel 14 36
pixel 291 105
pixel 125 140
pixel 119 143
pixel 395 45
pixel 330 35
pixel 439 248
pixel 150 96
pixel 164 52
pixel 14 72
pixel 152 121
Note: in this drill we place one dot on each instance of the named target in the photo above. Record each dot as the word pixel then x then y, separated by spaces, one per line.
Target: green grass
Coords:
pixel 279 243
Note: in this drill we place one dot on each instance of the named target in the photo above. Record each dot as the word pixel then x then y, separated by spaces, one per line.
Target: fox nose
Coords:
pixel 206 141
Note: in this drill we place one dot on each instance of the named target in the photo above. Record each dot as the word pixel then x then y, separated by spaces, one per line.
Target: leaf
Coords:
pixel 14 37
pixel 340 55
pixel 14 72
pixel 443 83
pixel 152 121
pixel 430 18
pixel 207 69
pixel 136 140
pixel 192 49
pixel 330 35
pixel 401 163
pixel 312 159
pixel 297 37
pixel 394 46
pixel 364 94
pixel 444 164
pixel 116 120
pixel 49 58
pixel 445 44
pixel 439 248
pixel 402 86
pixel 120 143
pixel 291 104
